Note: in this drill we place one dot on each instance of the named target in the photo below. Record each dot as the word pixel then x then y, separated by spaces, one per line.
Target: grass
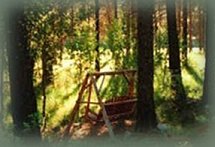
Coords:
pixel 193 75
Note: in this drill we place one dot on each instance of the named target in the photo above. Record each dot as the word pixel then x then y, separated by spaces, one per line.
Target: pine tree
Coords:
pixel 146 117
pixel 21 63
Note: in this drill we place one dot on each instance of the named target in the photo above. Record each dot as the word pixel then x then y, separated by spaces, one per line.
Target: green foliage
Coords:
pixel 192 74
pixel 84 39
pixel 161 75
pixel 160 48
pixel 47 26
pixel 85 11
pixel 117 86
pixel 161 39
pixel 115 37
pixel 174 112
pixel 82 48
pixel 116 42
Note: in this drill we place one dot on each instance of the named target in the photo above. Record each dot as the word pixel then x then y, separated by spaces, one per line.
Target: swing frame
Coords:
pixel 105 113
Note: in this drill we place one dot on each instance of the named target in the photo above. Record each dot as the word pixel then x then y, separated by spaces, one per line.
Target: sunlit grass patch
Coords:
pixel 193 75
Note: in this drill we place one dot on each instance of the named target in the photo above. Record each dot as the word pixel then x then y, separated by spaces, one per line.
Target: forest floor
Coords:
pixel 85 135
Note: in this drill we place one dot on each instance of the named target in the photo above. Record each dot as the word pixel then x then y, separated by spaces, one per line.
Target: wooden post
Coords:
pixel 89 98
pixel 105 116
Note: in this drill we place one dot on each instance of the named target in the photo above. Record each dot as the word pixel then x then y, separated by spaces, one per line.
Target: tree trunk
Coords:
pixel 127 12
pixel 190 26
pixel 47 65
pixel 146 117
pixel 133 20
pixel 115 9
pixel 200 27
pixel 209 82
pixel 44 83
pixel 97 60
pixel 109 12
pixel 179 17
pixel 209 87
pixel 159 13
pixel 128 22
pixel 204 19
pixel 21 63
pixel 184 41
pixel 72 21
pixel 1 77
pixel 178 90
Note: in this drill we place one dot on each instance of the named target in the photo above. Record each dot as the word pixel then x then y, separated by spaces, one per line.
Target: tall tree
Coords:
pixel 209 87
pixel 128 27
pixel 146 117
pixel 133 19
pixel 209 82
pixel 179 6
pixel 1 69
pixel 190 26
pixel 1 85
pixel 201 24
pixel 46 79
pixel 21 63
pixel 115 9
pixel 178 90
pixel 184 40
pixel 48 58
pixel 97 63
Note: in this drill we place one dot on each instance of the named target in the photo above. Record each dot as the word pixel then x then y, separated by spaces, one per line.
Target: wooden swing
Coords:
pixel 112 109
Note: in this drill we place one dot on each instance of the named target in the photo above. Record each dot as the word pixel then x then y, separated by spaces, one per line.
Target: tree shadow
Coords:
pixel 194 74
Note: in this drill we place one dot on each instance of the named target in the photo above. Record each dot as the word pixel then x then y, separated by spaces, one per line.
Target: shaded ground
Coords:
pixel 197 137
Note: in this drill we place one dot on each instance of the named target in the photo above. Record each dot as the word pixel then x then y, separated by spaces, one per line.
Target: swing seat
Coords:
pixel 117 108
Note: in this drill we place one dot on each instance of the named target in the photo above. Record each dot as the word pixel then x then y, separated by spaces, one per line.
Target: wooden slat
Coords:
pixel 120 114
pixel 120 102
pixel 111 117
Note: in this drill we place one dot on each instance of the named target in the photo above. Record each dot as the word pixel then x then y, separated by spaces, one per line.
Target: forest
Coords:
pixel 131 71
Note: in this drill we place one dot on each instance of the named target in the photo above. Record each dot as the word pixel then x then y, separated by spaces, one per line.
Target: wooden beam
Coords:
pixel 120 114
pixel 112 72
